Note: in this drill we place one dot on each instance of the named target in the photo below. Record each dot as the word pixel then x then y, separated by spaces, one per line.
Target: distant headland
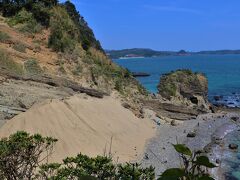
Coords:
pixel 144 52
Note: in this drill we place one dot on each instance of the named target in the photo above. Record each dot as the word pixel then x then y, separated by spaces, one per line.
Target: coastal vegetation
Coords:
pixel 61 28
pixel 195 166
pixel 25 156
pixel 9 64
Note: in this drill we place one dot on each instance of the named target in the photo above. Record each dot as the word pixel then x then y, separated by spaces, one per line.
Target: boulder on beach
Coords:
pixel 174 123
pixel 191 134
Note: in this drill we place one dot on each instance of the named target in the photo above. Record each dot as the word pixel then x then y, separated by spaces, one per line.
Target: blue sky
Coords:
pixel 164 24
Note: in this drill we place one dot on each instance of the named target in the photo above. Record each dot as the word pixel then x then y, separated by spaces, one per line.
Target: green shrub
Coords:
pixel 21 17
pixel 26 22
pixel 7 63
pixel 77 70
pixel 119 85
pixel 168 90
pixel 85 34
pixel 62 69
pixel 63 31
pixel 21 153
pixel 22 156
pixel 19 47
pixel 4 37
pixel 32 67
pixel 195 166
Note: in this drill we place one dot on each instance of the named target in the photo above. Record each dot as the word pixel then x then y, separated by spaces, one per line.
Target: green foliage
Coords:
pixel 25 21
pixel 21 153
pixel 182 79
pixel 119 85
pixel 194 166
pixel 39 9
pixel 7 63
pixel 22 156
pixel 19 47
pixel 168 89
pixel 77 70
pixel 62 69
pixel 4 37
pixel 21 17
pixel 100 167
pixel 131 171
pixel 35 14
pixel 63 31
pixel 85 34
pixel 32 67
pixel 173 173
pixel 182 149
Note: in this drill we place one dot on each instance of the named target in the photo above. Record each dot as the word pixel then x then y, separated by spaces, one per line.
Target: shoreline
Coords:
pixel 161 154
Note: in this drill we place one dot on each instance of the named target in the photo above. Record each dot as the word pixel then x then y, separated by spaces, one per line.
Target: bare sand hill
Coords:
pixel 86 125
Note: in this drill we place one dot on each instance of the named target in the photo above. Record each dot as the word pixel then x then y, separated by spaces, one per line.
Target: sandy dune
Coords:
pixel 85 125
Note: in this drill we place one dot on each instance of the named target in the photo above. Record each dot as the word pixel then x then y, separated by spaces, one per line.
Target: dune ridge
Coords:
pixel 87 125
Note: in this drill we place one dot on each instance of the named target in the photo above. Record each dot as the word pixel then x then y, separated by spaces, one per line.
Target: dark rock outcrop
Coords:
pixel 140 74
pixel 183 83
pixel 217 98
pixel 54 81
pixel 185 95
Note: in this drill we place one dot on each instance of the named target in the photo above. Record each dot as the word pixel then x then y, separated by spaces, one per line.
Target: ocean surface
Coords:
pixel 222 71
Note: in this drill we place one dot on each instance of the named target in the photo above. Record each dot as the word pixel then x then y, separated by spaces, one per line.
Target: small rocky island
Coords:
pixel 182 95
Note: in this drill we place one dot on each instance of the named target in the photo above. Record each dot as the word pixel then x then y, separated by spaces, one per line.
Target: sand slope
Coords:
pixel 85 125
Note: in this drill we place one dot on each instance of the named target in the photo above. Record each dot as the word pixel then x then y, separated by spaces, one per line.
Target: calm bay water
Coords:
pixel 222 71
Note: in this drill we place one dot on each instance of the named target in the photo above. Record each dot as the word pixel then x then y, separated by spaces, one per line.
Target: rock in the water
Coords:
pixel 191 134
pixel 184 82
pixel 233 146
pixel 140 74
pixel 217 98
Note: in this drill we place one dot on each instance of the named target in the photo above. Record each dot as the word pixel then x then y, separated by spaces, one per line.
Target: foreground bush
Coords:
pixel 21 154
pixel 25 156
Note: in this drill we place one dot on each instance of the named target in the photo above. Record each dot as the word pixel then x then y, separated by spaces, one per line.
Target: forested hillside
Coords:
pixel 55 38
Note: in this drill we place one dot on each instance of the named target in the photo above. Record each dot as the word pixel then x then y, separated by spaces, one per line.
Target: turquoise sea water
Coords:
pixel 222 71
